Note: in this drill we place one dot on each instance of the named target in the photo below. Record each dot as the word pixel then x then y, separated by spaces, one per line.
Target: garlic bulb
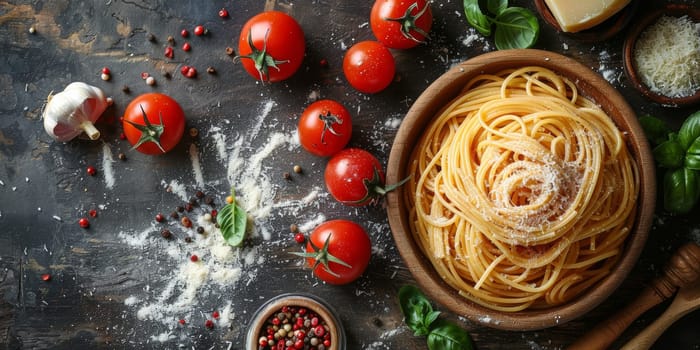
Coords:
pixel 72 111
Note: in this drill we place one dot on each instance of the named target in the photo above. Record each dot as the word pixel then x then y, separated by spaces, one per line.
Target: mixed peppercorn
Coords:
pixel 180 213
pixel 294 327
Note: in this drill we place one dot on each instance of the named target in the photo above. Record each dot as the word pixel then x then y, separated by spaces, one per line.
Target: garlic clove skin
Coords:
pixel 72 111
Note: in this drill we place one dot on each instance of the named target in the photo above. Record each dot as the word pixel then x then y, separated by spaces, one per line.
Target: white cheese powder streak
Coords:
pixel 219 267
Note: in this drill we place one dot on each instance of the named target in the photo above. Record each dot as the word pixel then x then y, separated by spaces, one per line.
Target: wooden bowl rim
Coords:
pixel 439 94
pixel 675 10
pixel 600 32
pixel 296 299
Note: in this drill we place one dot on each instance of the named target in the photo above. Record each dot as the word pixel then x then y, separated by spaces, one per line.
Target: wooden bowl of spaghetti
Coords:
pixel 531 190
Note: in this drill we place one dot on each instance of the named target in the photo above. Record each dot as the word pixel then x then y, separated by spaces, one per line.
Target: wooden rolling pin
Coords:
pixel 682 270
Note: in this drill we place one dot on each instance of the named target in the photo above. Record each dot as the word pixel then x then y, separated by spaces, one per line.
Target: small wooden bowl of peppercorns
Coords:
pixel 296 321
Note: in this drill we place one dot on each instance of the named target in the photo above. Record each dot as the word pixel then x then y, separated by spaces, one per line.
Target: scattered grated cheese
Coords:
pixel 667 56
pixel 107 168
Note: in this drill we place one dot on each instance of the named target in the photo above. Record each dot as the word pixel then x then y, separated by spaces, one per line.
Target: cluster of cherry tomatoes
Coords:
pixel 271 45
pixel 339 250
pixel 369 65
pixel 271 48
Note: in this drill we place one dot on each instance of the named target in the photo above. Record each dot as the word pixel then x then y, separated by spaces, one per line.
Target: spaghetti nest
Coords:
pixel 522 191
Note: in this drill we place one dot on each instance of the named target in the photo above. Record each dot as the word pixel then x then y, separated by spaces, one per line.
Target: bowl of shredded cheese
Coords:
pixel 662 55
pixel 530 190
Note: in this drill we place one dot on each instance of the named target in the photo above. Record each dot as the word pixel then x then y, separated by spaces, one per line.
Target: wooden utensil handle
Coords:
pixel 605 333
pixel 646 338
pixel 682 270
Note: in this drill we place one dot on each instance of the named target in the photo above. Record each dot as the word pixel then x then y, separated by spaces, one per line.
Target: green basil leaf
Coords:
pixel 497 6
pixel 516 28
pixel 692 155
pixel 232 220
pixel 681 190
pixel 669 154
pixel 476 18
pixel 656 130
pixel 448 336
pixel 430 318
pixel 415 307
pixel 690 130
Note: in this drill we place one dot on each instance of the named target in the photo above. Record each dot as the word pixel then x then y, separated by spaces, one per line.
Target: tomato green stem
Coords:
pixel 149 132
pixel 329 120
pixel 321 256
pixel 376 189
pixel 408 23
pixel 263 60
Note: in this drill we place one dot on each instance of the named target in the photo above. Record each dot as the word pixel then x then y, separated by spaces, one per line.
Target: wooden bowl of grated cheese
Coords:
pixel 662 55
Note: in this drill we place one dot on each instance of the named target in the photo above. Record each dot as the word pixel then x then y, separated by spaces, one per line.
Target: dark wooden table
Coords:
pixel 119 284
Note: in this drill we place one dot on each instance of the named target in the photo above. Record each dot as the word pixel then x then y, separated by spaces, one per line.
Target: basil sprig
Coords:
pixel 513 27
pixel 232 220
pixel 679 154
pixel 423 321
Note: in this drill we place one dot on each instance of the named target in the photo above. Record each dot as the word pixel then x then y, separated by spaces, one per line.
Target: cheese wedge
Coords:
pixel 577 15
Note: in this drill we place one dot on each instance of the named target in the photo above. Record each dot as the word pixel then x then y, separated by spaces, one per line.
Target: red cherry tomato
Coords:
pixel 355 177
pixel 153 123
pixel 275 41
pixel 401 24
pixel 369 66
pixel 325 127
pixel 338 251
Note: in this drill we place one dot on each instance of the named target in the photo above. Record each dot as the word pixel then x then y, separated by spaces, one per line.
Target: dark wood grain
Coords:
pixel 95 271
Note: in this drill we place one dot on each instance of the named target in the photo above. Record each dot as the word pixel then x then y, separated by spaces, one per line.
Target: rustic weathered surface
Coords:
pixel 102 277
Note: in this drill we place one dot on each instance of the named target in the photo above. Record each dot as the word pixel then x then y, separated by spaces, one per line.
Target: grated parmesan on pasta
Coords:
pixel 667 56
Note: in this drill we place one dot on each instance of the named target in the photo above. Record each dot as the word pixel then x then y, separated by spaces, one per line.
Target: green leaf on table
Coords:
pixel 232 220
pixel 417 310
pixel 476 18
pixel 681 190
pixel 445 335
pixel 692 155
pixel 495 7
pixel 656 130
pixel 690 130
pixel 669 154
pixel 516 28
